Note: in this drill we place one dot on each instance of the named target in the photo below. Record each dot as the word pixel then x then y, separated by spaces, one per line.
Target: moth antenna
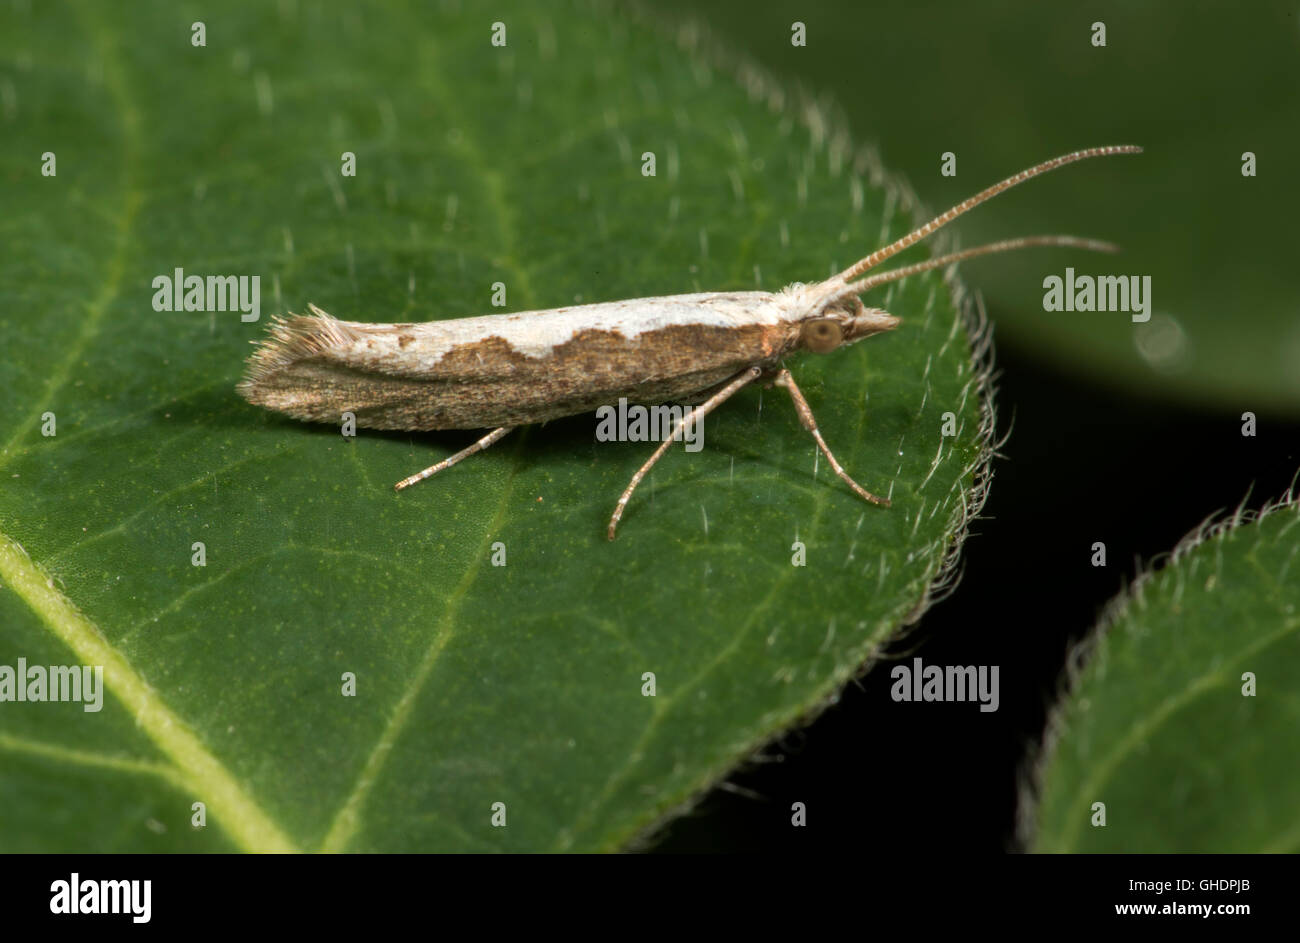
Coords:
pixel 1007 245
pixel 916 235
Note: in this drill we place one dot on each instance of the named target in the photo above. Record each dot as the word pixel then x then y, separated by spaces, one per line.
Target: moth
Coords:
pixel 502 371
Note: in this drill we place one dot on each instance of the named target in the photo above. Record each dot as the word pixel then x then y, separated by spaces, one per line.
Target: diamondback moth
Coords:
pixel 501 371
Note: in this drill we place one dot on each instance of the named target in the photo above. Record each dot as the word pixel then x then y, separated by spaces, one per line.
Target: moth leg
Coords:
pixel 478 446
pixel 806 417
pixel 699 412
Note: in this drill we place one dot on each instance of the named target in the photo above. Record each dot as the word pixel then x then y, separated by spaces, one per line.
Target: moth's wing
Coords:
pixel 509 369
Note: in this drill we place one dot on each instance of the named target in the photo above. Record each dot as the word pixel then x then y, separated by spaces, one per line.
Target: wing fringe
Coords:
pixel 291 339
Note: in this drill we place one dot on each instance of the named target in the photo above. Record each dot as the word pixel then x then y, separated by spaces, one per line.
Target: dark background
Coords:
pixel 876 774
pixel 1101 447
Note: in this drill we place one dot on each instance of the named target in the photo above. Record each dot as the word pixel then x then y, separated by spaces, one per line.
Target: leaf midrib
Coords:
pixel 196 768
pixel 1144 726
pixel 199 770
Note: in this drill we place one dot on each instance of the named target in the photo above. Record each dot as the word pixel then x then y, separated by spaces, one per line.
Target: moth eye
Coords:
pixel 822 335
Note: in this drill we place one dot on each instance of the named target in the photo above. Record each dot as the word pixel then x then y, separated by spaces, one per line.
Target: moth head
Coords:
pixel 841 320
pixel 832 306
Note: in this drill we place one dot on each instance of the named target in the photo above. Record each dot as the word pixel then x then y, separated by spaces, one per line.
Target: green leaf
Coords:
pixel 475 684
pixel 1197 90
pixel 1183 721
